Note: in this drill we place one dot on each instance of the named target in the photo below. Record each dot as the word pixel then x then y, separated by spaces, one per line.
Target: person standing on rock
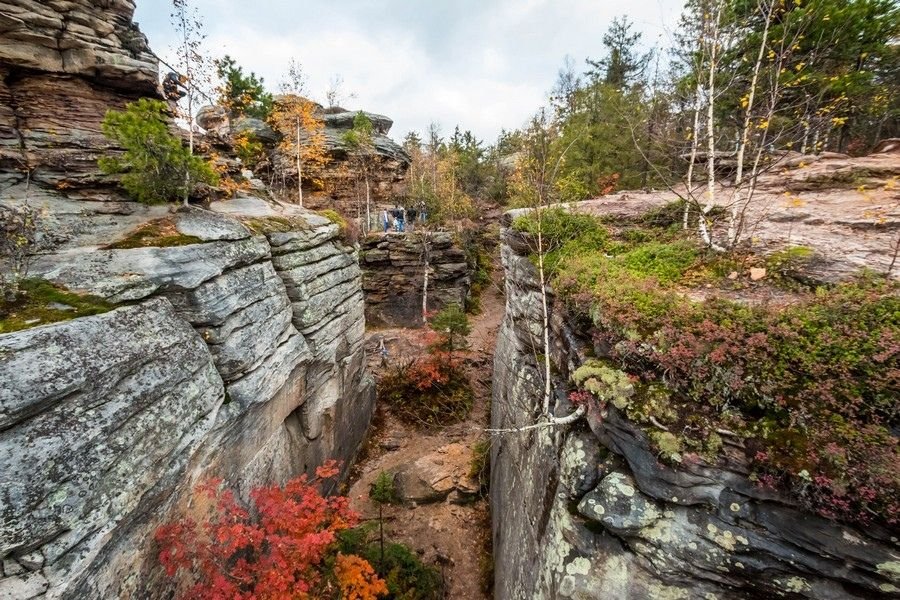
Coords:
pixel 385 220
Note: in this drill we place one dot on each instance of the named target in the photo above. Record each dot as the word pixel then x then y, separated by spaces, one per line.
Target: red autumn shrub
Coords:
pixel 281 547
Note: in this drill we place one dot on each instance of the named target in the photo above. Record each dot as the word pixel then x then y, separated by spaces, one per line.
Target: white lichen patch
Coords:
pixel 795 584
pixel 659 591
pixel 735 507
pixel 579 566
pixel 849 537
pixel 660 533
pixel 888 588
pixel 890 569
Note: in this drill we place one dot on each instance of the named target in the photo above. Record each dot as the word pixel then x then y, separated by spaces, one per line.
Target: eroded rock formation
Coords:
pixel 394 267
pixel 239 357
pixel 589 511
pixel 235 352
pixel 63 64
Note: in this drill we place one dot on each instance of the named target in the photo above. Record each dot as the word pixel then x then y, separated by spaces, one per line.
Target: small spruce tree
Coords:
pixel 382 492
pixel 452 324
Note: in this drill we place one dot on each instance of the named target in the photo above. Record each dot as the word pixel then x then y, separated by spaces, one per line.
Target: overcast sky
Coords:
pixel 482 64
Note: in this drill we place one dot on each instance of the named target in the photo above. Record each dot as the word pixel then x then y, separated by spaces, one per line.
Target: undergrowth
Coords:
pixel 407 577
pixel 810 386
pixel 428 392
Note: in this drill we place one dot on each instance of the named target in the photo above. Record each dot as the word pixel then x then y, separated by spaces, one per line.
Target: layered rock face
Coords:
pixel 339 185
pixel 588 511
pixel 63 64
pixel 239 357
pixel 236 356
pixel 394 276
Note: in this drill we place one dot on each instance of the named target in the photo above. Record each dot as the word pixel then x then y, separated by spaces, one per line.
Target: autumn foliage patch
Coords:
pixel 282 546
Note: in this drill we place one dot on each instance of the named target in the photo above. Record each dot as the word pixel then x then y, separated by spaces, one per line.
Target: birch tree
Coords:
pixel 193 64
pixel 360 144
pixel 303 136
pixel 535 182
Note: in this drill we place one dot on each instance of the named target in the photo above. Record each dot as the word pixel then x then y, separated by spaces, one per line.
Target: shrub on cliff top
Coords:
pixel 155 166
pixel 811 386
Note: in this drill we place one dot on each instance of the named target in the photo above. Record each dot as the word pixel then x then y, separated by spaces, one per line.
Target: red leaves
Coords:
pixel 279 553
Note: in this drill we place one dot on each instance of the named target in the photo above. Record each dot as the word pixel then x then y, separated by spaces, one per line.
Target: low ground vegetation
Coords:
pixel 432 391
pixel 37 302
pixel 810 385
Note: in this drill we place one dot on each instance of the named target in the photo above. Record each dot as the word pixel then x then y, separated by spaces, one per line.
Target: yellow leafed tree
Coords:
pixel 303 136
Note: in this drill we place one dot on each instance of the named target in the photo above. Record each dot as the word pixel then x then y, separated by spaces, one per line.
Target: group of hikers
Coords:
pixel 399 217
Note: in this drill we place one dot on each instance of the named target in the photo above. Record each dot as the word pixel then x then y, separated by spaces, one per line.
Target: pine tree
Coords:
pixel 155 167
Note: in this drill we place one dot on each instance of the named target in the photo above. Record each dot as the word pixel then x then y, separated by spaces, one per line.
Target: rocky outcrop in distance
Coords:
pixel 341 188
pixel 394 266
pixel 589 511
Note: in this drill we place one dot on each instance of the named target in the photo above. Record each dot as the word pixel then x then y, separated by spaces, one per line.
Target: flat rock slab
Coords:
pixel 135 274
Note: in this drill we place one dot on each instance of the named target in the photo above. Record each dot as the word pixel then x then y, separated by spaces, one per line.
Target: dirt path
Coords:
pixel 452 534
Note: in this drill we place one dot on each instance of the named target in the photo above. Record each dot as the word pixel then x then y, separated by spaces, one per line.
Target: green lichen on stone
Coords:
pixel 667 444
pixel 605 383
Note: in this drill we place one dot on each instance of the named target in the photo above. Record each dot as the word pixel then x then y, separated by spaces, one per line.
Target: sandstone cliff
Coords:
pixel 394 268
pixel 234 348
pixel 590 511
pixel 63 64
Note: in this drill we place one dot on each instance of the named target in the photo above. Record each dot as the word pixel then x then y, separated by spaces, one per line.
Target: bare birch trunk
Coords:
pixel 711 133
pixel 299 167
pixel 745 131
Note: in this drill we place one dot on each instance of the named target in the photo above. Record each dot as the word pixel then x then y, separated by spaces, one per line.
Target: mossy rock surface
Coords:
pixel 161 233
pixel 40 303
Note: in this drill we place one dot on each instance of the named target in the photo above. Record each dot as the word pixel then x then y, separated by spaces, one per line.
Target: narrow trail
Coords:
pixel 452 534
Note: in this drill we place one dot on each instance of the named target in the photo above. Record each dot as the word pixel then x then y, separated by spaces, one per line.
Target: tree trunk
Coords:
pixel 427 260
pixel 299 167
pixel 368 204
pixel 745 131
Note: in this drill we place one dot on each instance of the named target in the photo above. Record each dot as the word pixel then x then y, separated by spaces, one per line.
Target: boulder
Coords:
pixel 214 119
pixel 256 129
pixel 433 477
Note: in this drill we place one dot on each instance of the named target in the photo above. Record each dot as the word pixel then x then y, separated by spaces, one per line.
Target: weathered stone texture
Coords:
pixel 228 364
pixel 394 267
pixel 63 64
pixel 589 511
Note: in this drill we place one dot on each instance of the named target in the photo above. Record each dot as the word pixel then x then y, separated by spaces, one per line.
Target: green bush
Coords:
pixel 407 577
pixel 155 167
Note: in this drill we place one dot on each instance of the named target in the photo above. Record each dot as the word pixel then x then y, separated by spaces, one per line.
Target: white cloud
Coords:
pixel 482 64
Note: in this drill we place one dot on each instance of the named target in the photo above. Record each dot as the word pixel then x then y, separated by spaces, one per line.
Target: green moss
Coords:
pixel 667 262
pixel 264 225
pixel 155 234
pixel 668 446
pixel 40 303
